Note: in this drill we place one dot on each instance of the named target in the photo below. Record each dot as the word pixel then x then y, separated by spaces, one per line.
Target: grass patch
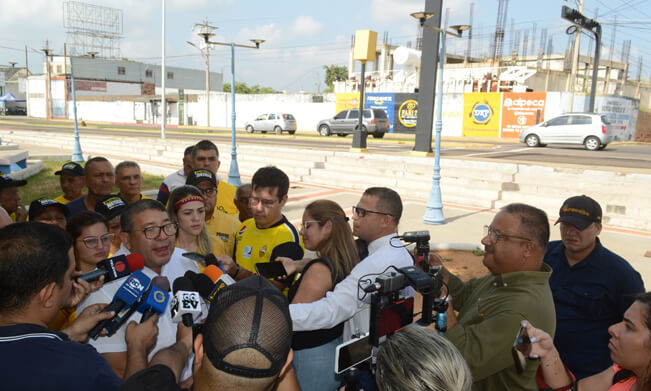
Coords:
pixel 46 185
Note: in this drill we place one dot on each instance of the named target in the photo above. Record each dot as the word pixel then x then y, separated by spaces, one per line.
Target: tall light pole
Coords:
pixel 234 172
pixel 205 32
pixel 434 210
pixel 163 76
pixel 76 151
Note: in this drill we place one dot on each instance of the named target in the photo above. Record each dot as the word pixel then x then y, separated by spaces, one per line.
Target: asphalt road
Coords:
pixel 618 154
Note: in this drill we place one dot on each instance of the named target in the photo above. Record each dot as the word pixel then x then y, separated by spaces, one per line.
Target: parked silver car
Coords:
pixel 375 122
pixel 277 122
pixel 590 129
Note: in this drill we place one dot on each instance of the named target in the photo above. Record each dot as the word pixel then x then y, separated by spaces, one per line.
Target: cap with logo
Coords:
pixel 71 168
pixel 7 181
pixel 249 318
pixel 580 211
pixel 199 175
pixel 110 206
pixel 37 207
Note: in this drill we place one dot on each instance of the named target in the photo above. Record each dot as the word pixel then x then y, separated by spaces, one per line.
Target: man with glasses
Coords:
pixel 221 227
pixel 268 234
pixel 491 308
pixel 592 287
pixel 375 221
pixel 147 230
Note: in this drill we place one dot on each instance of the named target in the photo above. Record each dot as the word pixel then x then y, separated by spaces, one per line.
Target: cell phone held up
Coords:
pixel 270 269
pixel 521 349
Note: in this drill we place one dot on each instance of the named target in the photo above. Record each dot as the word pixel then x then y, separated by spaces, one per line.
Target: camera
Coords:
pixel 421 253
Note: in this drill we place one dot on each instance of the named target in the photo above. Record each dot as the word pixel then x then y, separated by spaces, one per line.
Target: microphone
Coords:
pixel 155 300
pixel 126 296
pixel 210 259
pixel 115 267
pixel 186 303
pixel 210 282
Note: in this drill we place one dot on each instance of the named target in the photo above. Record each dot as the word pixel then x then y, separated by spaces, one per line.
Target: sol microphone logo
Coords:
pixel 120 266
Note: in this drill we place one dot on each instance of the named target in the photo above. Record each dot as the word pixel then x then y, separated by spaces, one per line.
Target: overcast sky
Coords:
pixel 304 35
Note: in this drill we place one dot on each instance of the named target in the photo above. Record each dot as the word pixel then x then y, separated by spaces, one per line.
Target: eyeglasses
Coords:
pixel 253 201
pixel 361 212
pixel 208 191
pixel 495 235
pixel 92 241
pixel 309 223
pixel 153 232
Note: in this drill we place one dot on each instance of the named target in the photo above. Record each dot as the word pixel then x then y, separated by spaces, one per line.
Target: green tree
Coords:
pixel 242 88
pixel 334 73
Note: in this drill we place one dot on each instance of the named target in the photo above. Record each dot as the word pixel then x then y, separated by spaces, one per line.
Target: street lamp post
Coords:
pixel 434 209
pixel 76 152
pixel 234 172
pixel 205 32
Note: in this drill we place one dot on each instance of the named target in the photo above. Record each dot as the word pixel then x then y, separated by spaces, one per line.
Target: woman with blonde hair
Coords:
pixel 325 230
pixel 186 207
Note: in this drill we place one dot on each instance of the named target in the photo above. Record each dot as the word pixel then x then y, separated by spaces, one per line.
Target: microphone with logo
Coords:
pixel 115 267
pixel 155 300
pixel 186 303
pixel 210 282
pixel 126 296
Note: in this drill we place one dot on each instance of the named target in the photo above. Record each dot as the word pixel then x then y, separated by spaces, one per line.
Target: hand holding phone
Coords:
pixel 270 269
pixel 521 349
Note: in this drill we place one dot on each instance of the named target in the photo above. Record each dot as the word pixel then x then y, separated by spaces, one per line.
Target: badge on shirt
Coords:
pixel 262 251
pixel 222 236
pixel 247 251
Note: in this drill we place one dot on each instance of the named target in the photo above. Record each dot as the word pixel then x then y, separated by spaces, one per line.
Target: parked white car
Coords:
pixel 277 122
pixel 590 129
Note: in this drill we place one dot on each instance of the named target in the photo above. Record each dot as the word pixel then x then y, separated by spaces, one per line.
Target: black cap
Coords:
pixel 254 315
pixel 110 206
pixel 37 207
pixel 72 168
pixel 580 211
pixel 7 181
pixel 199 175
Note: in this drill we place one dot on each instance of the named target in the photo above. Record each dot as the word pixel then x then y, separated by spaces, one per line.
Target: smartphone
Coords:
pixel 352 352
pixel 270 269
pixel 521 349
pixel 197 257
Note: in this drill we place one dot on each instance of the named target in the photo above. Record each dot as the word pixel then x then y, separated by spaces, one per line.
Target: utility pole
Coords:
pixel 205 31
pixel 48 83
pixel 575 62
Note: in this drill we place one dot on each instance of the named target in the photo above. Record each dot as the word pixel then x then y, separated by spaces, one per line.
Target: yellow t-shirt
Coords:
pixel 62 199
pixel 222 229
pixel 226 198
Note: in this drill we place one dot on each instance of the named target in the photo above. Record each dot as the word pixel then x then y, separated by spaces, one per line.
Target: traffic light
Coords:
pixel 577 18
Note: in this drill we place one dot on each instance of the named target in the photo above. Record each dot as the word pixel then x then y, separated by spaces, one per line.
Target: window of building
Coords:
pixel 122 71
pixel 149 73
pixel 170 75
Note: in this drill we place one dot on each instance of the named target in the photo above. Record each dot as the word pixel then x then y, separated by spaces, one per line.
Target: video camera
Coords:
pixel 391 312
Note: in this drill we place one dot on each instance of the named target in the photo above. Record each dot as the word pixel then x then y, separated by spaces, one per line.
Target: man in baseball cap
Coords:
pixel 245 344
pixel 72 182
pixel 111 207
pixel 592 287
pixel 10 198
pixel 48 212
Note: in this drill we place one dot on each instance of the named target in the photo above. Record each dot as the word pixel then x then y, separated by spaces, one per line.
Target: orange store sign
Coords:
pixel 520 111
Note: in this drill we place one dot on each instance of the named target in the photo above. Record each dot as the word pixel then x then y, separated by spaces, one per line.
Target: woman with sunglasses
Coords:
pixel 325 230
pixel 630 350
pixel 92 240
pixel 186 207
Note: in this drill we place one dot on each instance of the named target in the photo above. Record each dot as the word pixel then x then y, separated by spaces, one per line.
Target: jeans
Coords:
pixel 315 367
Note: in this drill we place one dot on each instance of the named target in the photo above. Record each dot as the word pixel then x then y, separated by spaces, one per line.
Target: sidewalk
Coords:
pixel 463 228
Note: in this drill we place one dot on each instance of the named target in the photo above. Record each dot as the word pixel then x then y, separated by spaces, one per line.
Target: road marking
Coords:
pixel 494 152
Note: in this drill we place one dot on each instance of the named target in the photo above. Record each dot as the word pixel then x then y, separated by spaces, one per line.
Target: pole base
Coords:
pixel 358 150
pixel 234 174
pixel 422 153
pixel 433 216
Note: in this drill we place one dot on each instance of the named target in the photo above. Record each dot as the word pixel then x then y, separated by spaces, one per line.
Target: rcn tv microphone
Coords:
pixel 127 295
pixel 115 267
pixel 155 300
pixel 186 303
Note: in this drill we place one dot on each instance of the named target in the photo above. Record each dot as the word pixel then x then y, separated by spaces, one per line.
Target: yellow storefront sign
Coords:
pixel 481 114
pixel 347 101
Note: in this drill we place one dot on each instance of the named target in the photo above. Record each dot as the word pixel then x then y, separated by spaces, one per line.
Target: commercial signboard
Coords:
pixel 481 114
pixel 405 113
pixel 346 101
pixel 521 110
pixel 381 100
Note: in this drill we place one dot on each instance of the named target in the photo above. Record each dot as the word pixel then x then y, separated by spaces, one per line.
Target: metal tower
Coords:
pixel 92 28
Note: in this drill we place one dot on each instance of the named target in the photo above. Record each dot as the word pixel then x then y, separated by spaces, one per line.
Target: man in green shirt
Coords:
pixel 491 308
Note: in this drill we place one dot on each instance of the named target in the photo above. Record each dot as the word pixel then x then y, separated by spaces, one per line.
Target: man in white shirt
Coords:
pixel 375 220
pixel 147 230
pixel 177 178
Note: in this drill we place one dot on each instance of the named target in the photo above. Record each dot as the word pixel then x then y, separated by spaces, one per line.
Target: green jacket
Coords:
pixel 490 310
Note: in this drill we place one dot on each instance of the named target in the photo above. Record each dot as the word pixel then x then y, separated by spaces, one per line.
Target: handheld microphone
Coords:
pixel 115 267
pixel 219 280
pixel 155 300
pixel 186 303
pixel 211 259
pixel 128 294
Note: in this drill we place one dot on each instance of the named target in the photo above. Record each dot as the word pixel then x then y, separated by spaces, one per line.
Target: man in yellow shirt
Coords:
pixel 72 181
pixel 221 227
pixel 205 155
